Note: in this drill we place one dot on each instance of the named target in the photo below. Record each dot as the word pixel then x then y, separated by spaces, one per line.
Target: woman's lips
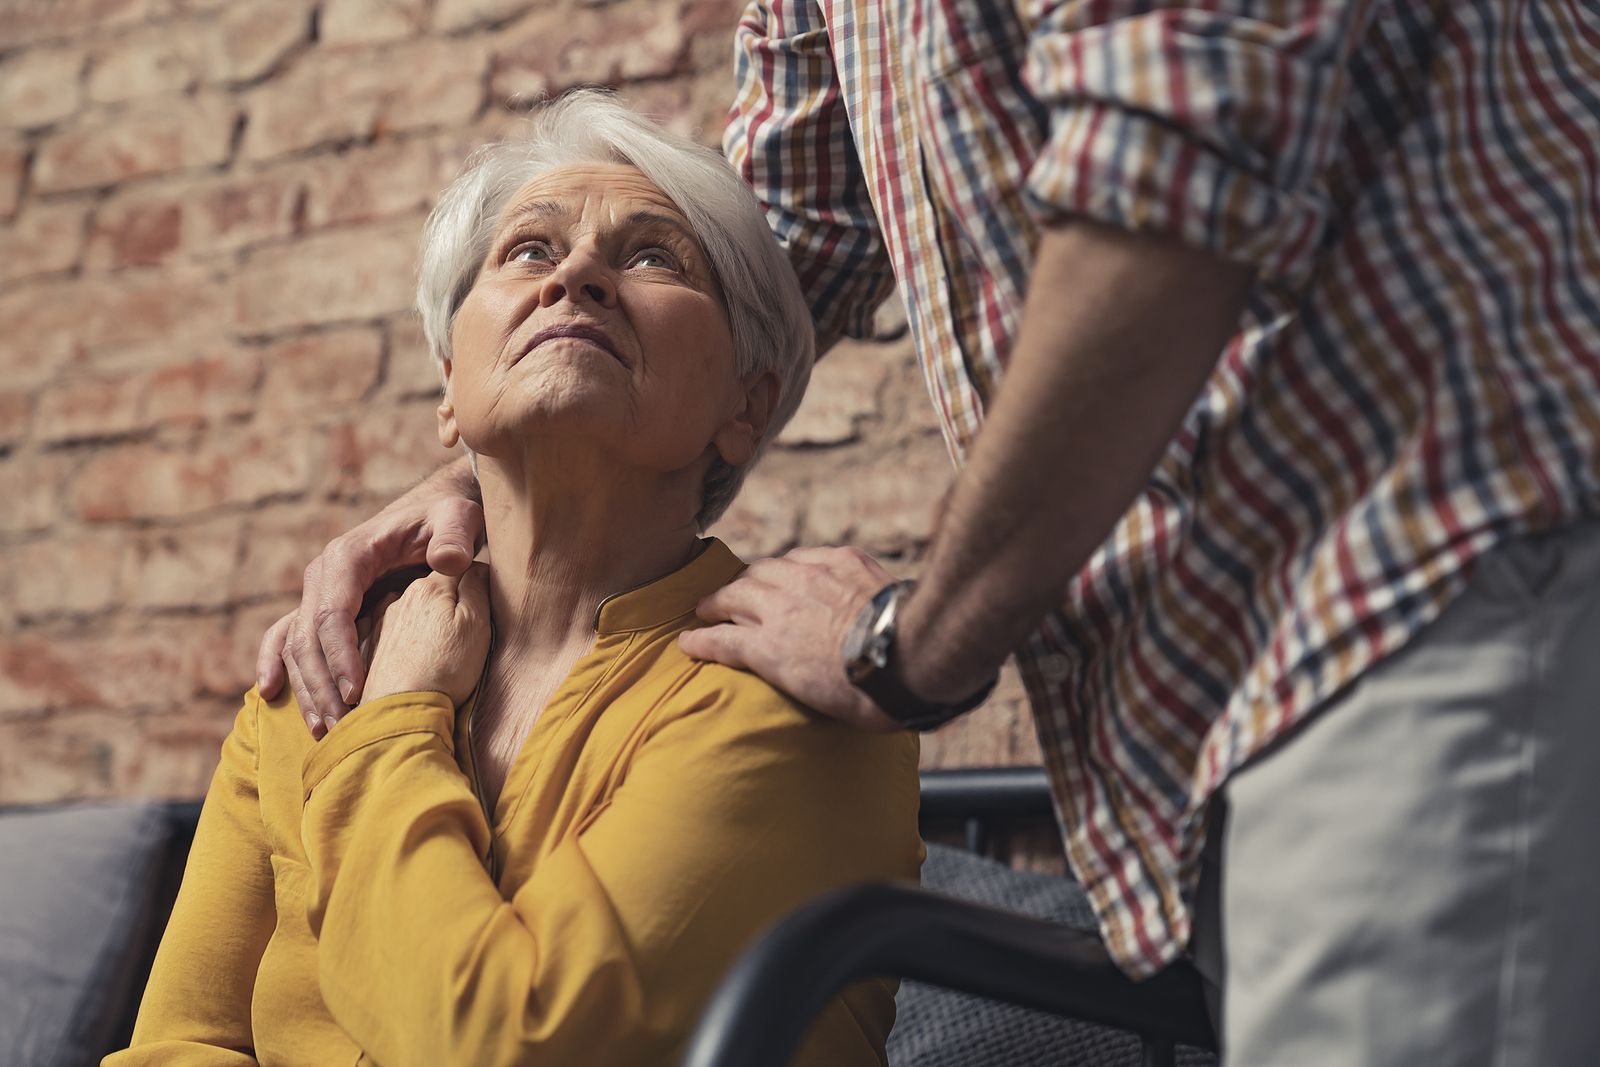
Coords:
pixel 578 330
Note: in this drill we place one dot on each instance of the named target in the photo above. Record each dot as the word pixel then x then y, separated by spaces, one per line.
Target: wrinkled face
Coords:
pixel 595 318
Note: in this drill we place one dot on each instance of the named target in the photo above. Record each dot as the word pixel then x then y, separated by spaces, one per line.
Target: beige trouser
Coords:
pixel 1413 877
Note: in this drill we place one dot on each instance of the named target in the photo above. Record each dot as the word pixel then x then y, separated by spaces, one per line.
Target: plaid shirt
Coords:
pixel 1414 380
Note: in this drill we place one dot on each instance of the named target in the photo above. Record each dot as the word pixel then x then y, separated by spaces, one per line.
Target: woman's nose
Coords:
pixel 580 277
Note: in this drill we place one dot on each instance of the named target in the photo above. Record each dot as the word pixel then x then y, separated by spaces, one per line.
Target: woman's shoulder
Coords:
pixel 742 706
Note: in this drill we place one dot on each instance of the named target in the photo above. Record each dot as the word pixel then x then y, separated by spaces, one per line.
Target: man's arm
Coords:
pixel 1120 333
pixel 1186 156
pixel 315 647
pixel 789 138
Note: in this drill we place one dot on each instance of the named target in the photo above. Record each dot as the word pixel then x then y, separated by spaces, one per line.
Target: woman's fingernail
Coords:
pixel 346 689
pixel 329 722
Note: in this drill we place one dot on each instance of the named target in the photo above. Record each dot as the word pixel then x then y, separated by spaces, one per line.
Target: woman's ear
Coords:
pixel 449 435
pixel 737 439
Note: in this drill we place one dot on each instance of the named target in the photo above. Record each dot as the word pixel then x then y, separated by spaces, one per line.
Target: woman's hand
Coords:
pixel 433 639
pixel 314 648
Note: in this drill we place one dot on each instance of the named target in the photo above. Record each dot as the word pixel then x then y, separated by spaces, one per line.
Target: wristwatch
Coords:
pixel 869 662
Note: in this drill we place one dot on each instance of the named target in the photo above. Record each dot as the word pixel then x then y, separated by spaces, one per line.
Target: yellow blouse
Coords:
pixel 339 907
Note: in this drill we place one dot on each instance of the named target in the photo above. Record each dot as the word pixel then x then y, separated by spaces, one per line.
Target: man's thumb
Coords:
pixel 455 529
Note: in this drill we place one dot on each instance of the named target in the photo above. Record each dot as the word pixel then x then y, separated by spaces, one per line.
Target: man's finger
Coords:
pixel 308 656
pixel 724 644
pixel 842 556
pixel 302 697
pixel 270 674
pixel 740 601
pixel 814 554
pixel 340 648
pixel 455 529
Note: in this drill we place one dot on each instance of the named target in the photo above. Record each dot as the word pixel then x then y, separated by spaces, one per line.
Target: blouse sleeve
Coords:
pixel 196 1006
pixel 728 817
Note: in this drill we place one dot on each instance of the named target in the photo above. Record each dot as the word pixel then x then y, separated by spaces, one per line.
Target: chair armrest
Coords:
pixel 1005 793
pixel 768 1001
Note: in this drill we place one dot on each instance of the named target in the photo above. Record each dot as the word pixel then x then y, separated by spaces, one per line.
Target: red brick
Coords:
pixel 410 369
pixel 39 86
pixel 69 755
pixel 176 750
pixel 764 518
pixel 412 85
pixel 208 389
pixel 24 23
pixel 16 415
pixel 166 58
pixel 170 134
pixel 182 567
pixel 77 574
pixel 385 451
pixel 884 505
pixel 46 239
pixel 82 408
pixel 366 21
pixel 158 481
pixel 237 212
pixel 29 484
pixel 320 370
pixel 251 40
pixel 225 666
pixel 556 47
pixel 368 184
pixel 48 674
pixel 278 544
pixel 846 389
pixel 667 103
pixel 49 326
pixel 137 233
pixel 336 277
pixel 715 19
pixel 13 164
pixel 452 16
pixel 151 663
pixel 195 217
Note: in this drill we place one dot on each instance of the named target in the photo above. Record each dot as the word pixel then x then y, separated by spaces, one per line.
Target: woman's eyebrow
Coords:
pixel 533 209
pixel 649 218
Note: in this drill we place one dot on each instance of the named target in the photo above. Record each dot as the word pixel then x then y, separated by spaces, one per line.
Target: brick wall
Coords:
pixel 208 212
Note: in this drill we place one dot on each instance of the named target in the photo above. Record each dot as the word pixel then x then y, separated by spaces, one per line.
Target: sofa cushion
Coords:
pixel 80 889
pixel 937 1028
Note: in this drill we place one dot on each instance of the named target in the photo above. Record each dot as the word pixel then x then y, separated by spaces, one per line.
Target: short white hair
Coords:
pixel 767 315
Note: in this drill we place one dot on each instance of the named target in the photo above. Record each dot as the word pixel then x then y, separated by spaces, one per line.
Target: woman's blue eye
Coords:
pixel 661 259
pixel 531 254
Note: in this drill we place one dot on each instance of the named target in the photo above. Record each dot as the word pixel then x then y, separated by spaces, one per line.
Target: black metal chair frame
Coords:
pixel 769 999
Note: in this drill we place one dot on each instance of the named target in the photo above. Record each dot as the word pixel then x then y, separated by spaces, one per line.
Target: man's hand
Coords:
pixel 786 620
pixel 316 646
pixel 434 639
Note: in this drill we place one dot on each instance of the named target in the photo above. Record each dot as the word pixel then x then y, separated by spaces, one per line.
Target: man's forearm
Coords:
pixel 1120 334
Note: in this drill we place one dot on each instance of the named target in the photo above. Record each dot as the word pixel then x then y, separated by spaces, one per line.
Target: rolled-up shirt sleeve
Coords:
pixel 789 137
pixel 1213 125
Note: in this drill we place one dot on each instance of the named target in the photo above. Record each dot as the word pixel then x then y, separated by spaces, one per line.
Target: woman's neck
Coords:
pixel 562 538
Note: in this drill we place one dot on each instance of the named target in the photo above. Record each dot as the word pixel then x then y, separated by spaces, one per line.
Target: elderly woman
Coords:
pixel 547 846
